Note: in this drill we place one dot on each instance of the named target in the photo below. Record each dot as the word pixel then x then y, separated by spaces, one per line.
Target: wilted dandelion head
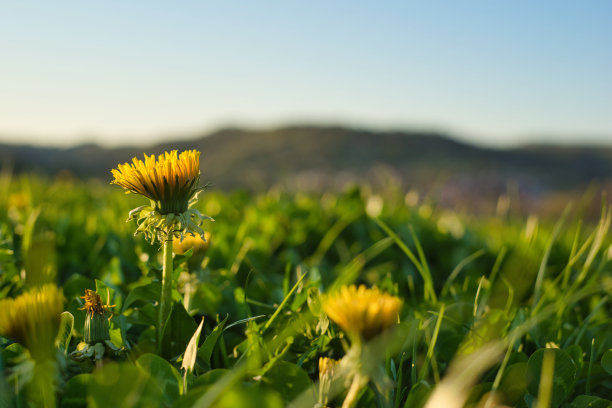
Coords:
pixel 362 312
pixel 170 181
pixel 33 318
pixel 93 303
pixel 96 326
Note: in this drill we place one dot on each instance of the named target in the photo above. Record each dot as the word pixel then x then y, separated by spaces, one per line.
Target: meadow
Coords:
pixel 496 310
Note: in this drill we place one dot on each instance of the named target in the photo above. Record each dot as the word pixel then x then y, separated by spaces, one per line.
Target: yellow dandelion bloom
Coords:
pixel 33 318
pixel 361 312
pixel 170 181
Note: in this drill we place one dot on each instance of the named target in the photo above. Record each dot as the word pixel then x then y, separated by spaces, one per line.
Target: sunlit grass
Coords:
pixel 484 300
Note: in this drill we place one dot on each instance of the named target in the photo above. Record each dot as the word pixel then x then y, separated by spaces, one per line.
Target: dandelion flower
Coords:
pixel 361 312
pixel 33 319
pixel 170 181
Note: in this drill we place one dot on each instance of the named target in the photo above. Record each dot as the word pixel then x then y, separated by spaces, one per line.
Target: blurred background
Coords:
pixel 472 104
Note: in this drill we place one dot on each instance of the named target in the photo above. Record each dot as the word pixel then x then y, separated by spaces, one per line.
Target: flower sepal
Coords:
pixel 155 225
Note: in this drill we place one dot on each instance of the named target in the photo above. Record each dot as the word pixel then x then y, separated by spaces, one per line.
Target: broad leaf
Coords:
pixel 563 378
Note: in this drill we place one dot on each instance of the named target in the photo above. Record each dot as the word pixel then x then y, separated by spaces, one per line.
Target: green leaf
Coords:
pixel 147 293
pixel 606 361
pixel 181 258
pixel 575 352
pixel 287 378
pixel 234 397
pixel 513 384
pixel 246 320
pixel 145 315
pixel 123 385
pixel 163 373
pixel 189 358
pixel 177 332
pixel 205 352
pixel 99 351
pixel 210 377
pixel 75 286
pixel 418 395
pixel 285 300
pixel 12 352
pixel 65 332
pixel 589 401
pixel 491 326
pixel 75 391
pixel 563 378
pixel 106 292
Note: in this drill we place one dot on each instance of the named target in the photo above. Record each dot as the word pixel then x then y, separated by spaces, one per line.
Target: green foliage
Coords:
pixel 492 286
pixel 606 361
pixel 564 378
pixel 165 375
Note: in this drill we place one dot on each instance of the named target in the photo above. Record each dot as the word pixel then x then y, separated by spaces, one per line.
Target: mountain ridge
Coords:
pixel 319 158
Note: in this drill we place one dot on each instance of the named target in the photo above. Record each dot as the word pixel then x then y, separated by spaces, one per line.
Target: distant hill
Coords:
pixel 317 158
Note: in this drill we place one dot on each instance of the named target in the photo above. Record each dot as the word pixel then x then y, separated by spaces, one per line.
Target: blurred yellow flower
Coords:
pixel 199 245
pixel 170 181
pixel 362 312
pixel 33 318
pixel 19 200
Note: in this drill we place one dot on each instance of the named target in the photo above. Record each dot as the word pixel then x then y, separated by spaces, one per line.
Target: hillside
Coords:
pixel 330 157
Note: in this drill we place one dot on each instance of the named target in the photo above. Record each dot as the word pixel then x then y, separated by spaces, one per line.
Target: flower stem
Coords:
pixel 41 391
pixel 352 396
pixel 165 301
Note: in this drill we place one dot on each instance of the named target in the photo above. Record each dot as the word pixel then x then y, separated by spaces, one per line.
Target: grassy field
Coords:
pixel 497 311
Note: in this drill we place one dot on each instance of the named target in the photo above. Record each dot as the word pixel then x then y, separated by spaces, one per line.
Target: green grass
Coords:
pixel 497 310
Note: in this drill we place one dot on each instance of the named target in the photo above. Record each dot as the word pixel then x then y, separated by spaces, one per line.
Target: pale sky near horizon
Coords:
pixel 488 71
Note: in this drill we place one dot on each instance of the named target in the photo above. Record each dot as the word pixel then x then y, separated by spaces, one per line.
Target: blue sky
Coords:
pixel 493 72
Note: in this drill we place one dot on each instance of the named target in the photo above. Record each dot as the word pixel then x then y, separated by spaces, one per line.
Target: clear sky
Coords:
pixel 492 71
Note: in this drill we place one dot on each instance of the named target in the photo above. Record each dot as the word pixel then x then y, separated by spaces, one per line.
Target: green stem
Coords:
pixel 165 301
pixel 41 390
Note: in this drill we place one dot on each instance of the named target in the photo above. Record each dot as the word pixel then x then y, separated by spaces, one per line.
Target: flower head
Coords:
pixel 33 318
pixel 170 181
pixel 93 303
pixel 361 312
